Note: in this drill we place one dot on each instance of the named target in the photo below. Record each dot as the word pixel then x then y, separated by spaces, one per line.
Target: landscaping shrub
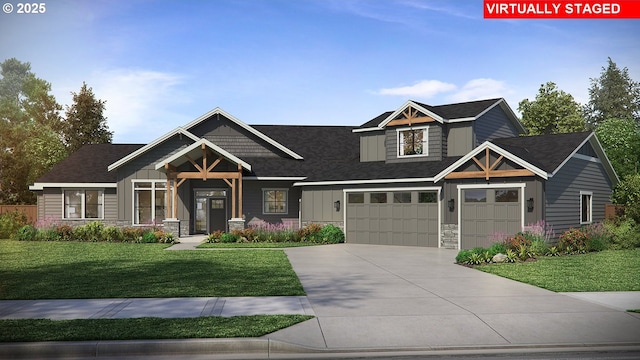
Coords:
pixel 214 236
pixel 538 247
pixel 228 238
pixel 112 234
pixel 520 239
pixel 573 240
pixel 132 234
pixel 26 233
pixel 148 237
pixel 11 222
pixel 93 231
pixel 65 232
pixel 497 248
pixel 308 233
pixel 331 234
pixel 47 235
pixel 463 257
pixel 625 234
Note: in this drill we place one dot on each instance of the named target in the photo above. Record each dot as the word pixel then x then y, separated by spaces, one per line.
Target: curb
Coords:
pixel 265 349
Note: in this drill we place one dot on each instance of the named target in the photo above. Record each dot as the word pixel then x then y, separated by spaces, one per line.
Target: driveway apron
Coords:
pixel 376 296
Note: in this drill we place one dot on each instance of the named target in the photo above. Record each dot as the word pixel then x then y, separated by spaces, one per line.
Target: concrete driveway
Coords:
pixel 389 297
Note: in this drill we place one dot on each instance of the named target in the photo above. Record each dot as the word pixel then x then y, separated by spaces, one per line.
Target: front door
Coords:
pixel 211 211
pixel 217 215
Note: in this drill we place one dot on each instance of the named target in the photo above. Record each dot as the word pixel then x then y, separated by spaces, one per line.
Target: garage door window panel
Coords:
pixel 507 196
pixel 355 198
pixel 475 196
pixel 401 197
pixel 430 197
pixel 378 198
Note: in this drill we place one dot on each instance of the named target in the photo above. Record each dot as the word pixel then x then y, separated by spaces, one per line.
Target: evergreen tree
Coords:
pixel 613 95
pixel 30 121
pixel 553 111
pixel 85 122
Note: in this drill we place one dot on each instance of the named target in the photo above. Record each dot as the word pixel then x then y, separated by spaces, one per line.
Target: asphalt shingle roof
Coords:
pixel 546 152
pixel 89 164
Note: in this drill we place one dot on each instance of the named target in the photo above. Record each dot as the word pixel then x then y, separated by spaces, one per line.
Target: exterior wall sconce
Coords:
pixel 530 204
pixel 451 204
pixel 336 205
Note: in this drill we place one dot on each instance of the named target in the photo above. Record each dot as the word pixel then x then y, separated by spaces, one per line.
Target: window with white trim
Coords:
pixel 149 202
pixel 274 201
pixel 83 204
pixel 586 209
pixel 413 142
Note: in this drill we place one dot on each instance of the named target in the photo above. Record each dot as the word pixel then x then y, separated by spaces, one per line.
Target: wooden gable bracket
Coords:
pixel 488 170
pixel 411 117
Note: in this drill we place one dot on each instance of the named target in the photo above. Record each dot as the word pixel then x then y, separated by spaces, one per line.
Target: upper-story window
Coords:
pixel 413 142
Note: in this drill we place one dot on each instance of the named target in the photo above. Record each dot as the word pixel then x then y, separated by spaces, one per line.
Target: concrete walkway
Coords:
pixel 153 307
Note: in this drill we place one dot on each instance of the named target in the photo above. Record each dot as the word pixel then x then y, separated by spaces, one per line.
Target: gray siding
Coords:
pixel 50 204
pixel 252 201
pixel 372 147
pixel 459 139
pixel 563 193
pixel 110 205
pixel 52 199
pixel 233 138
pixel 143 168
pixel 317 205
pixel 492 125
pixel 434 143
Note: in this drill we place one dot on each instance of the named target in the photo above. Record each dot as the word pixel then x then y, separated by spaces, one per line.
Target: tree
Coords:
pixel 29 131
pixel 627 193
pixel 85 123
pixel 553 111
pixel 620 139
pixel 613 95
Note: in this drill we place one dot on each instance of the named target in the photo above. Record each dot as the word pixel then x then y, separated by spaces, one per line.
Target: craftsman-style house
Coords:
pixel 441 176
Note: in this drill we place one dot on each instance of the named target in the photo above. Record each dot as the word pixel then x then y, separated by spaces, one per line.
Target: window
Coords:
pixel 355 198
pixel 413 142
pixel 378 198
pixel 506 196
pixel 428 197
pixel 83 204
pixel 274 201
pixel 149 202
pixel 402 197
pixel 586 207
pixel 475 196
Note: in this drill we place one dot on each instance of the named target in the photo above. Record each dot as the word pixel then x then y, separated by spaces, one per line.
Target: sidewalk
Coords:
pixel 154 307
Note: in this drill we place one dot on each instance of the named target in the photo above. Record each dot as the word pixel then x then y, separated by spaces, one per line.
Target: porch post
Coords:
pixel 167 207
pixel 239 191
pixel 233 199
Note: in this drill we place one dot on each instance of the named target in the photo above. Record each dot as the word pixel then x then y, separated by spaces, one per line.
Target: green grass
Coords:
pixel 144 328
pixel 256 245
pixel 67 270
pixel 612 270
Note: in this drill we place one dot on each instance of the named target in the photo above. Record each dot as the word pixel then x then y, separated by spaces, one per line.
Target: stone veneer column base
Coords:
pixel 449 236
pixel 236 224
pixel 172 226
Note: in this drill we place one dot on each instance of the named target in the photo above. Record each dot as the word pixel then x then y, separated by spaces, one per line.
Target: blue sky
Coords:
pixel 161 64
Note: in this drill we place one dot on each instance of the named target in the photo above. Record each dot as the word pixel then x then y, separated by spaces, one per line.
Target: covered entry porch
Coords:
pixel 216 201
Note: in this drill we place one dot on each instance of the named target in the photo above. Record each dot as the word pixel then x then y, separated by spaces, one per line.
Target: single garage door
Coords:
pixel 487 213
pixel 393 218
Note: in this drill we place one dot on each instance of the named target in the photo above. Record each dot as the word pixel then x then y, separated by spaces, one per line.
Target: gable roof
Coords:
pixel 249 128
pixel 195 150
pixel 544 155
pixel 448 113
pixel 87 165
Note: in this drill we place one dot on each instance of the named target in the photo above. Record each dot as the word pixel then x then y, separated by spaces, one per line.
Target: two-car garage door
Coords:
pixel 393 218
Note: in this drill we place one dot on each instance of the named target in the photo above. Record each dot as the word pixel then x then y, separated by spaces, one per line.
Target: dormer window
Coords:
pixel 413 142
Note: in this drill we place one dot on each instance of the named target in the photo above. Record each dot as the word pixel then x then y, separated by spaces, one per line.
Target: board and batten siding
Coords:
pixel 459 140
pixel 434 144
pixel 252 202
pixel 492 125
pixel 563 193
pixel 372 147
pixel 143 168
pixel 317 206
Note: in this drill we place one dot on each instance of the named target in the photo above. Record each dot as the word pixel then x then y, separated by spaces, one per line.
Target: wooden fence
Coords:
pixel 612 210
pixel 30 210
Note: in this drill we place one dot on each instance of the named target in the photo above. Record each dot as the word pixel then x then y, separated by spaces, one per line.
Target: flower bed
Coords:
pixel 275 233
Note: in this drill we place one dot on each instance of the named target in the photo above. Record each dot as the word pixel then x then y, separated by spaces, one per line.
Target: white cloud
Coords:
pixel 481 89
pixel 138 102
pixel 421 89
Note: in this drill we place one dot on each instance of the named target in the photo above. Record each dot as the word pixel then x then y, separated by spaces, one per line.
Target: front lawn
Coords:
pixel 70 270
pixel 144 328
pixel 610 270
